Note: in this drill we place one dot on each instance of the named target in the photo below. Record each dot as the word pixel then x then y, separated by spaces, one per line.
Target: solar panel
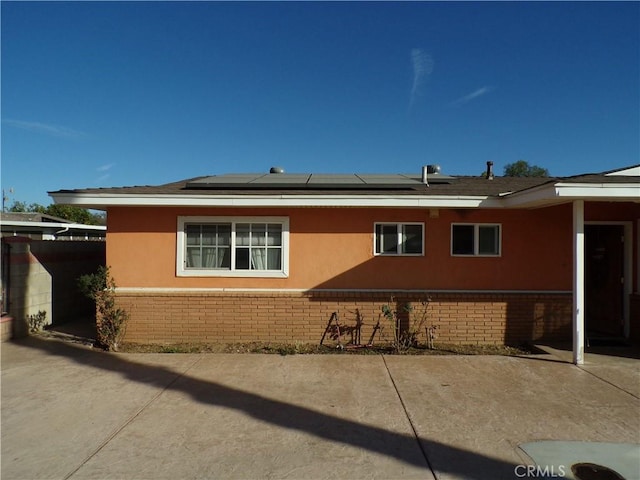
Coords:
pixel 282 179
pixel 313 181
pixel 388 179
pixel 338 179
pixel 232 178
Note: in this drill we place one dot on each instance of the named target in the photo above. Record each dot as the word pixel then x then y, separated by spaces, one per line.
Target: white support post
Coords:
pixel 578 282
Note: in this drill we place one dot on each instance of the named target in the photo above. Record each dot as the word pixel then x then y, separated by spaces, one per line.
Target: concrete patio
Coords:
pixel 70 412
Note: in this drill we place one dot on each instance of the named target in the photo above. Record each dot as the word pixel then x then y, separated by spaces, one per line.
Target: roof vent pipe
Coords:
pixel 490 175
pixel 425 171
pixel 276 170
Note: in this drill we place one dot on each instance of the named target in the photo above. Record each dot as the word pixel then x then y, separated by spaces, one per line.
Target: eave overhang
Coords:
pixel 563 192
pixel 547 194
pixel 51 225
pixel 53 228
pixel 103 201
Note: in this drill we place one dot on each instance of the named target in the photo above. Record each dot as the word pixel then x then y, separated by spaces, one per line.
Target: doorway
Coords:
pixel 604 281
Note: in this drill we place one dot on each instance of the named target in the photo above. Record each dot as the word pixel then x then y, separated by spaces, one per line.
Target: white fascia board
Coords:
pixel 405 201
pixel 55 225
pixel 621 192
pixel 625 172
pixel 541 195
pixel 563 192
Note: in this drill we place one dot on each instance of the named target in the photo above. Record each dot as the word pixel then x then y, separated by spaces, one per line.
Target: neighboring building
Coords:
pixel 269 257
pixel 40 226
pixel 42 258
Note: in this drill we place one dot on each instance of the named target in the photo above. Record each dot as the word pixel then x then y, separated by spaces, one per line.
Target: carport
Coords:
pixel 610 198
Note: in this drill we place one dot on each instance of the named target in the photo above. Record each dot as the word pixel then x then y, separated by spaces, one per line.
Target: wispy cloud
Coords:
pixel 44 128
pixel 422 64
pixel 472 96
pixel 104 168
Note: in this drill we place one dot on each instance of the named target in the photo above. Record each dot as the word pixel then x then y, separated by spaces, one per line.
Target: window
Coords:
pixel 208 245
pixel 475 239
pixel 399 239
pixel 233 246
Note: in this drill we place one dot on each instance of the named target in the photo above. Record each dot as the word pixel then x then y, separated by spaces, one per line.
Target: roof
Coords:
pixel 226 185
pixel 314 181
pixel 30 217
pixel 279 189
pixel 33 223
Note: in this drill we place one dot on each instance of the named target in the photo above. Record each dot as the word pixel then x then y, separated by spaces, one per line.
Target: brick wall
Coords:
pixel 478 318
pixel 6 328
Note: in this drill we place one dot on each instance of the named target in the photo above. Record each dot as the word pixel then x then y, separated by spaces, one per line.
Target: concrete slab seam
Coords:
pixel 132 418
pixel 406 412
pixel 608 382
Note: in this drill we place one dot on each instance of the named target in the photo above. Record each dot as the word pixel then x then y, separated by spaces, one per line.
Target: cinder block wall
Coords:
pixel 30 287
pixel 43 277
pixel 462 318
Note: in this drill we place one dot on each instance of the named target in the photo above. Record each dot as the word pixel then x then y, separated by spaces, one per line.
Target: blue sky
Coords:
pixel 123 93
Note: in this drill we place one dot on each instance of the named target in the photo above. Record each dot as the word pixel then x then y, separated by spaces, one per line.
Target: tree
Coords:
pixel 73 214
pixel 22 207
pixel 521 168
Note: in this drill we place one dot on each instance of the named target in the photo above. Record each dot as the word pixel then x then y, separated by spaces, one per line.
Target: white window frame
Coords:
pixel 398 253
pixel 182 271
pixel 476 243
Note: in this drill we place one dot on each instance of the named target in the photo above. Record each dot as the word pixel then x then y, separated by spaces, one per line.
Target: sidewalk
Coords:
pixel 69 412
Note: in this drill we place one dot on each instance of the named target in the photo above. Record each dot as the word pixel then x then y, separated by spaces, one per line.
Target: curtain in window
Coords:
pixel 274 256
pixel 258 246
pixel 208 246
pixel 193 257
pixel 258 259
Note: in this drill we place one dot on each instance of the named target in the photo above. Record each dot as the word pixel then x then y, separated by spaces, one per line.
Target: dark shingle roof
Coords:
pixel 31 217
pixel 457 186
pixel 275 185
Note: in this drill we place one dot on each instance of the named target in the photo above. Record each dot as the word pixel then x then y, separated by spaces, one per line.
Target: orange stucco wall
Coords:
pixel 332 248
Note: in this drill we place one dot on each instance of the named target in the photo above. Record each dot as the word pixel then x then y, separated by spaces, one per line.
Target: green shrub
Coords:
pixel 407 323
pixel 111 321
pixel 37 321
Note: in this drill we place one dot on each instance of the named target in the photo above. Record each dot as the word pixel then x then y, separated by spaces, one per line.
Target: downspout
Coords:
pixel 578 282
pixel 64 230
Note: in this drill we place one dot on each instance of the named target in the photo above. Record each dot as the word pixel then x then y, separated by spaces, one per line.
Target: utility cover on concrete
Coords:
pixel 591 471
pixel 621 459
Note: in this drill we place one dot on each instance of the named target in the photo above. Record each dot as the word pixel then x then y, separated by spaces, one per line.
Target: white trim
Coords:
pixel 628 192
pixel 182 271
pixel 56 225
pixel 556 193
pixel 625 172
pixel 278 200
pixel 578 282
pixel 329 290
